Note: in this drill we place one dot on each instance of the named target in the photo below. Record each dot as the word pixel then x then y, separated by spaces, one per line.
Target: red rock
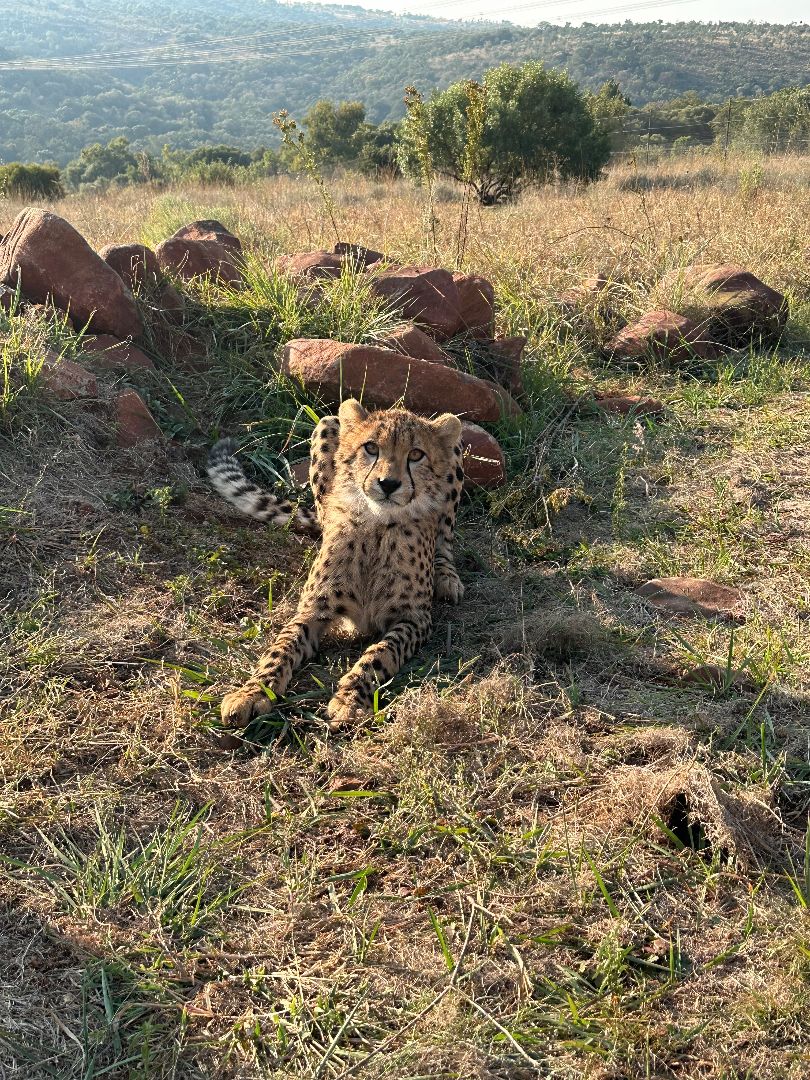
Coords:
pixel 209 229
pixel 383 377
pixel 135 264
pixel 311 265
pixel 66 380
pixel 411 341
pixel 629 403
pixel 199 258
pixel 55 262
pixel 509 355
pixel 358 254
pixel 108 353
pixel 693 596
pixel 300 471
pixel 135 423
pixel 743 308
pixel 484 462
pixel 427 295
pixel 476 304
pixel 660 335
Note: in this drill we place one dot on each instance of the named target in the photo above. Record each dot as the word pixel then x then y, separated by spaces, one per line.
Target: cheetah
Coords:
pixel 387 485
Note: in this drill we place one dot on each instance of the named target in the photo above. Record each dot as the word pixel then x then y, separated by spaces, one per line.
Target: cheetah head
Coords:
pixel 396 464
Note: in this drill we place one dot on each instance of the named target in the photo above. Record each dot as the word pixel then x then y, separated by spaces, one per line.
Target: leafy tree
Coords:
pixel 777 124
pixel 536 126
pixel 332 130
pixel 30 181
pixel 377 149
pixel 102 166
pixel 609 107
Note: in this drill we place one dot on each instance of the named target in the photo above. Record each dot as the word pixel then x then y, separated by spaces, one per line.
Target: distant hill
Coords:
pixel 136 72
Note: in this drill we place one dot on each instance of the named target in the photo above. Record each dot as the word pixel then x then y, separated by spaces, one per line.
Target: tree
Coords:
pixel 535 127
pixel 779 123
pixel 609 107
pixel 332 130
pixel 30 181
pixel 101 166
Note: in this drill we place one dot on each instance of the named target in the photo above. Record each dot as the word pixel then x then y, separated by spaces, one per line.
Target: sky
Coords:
pixel 560 11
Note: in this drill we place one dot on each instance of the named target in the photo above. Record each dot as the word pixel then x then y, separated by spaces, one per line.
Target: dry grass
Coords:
pixel 548 856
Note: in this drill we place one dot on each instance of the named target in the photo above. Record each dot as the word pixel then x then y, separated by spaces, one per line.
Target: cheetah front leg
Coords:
pixel 296 643
pixel 354 697
pixel 446 582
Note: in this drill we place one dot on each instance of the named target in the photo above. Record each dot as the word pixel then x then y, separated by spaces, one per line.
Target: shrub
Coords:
pixel 30 181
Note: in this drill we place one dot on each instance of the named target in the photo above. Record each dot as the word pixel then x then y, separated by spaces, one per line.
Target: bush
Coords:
pixel 30 181
pixel 536 127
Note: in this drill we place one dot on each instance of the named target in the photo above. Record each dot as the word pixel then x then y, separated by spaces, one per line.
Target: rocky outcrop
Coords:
pixel 476 304
pixel 383 378
pixel 107 353
pixel 191 259
pixel 411 341
pixel 484 461
pixel 54 263
pixel 209 229
pixel 66 380
pixel 660 335
pixel 134 422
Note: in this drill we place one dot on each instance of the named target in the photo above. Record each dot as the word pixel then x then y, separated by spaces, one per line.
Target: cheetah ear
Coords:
pixel 351 412
pixel 448 427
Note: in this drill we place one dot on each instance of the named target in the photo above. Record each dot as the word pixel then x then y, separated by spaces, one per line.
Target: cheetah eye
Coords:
pixel 371 449
pixel 416 455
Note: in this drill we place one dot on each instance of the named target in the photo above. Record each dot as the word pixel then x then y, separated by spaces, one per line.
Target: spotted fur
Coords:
pixel 228 478
pixel 387 486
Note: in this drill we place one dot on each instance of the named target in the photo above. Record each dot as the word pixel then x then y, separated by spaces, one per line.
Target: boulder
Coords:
pixel 66 380
pixel 54 262
pixel 411 341
pixel 484 461
pixel 110 354
pixel 199 258
pixel 508 361
pixel 310 265
pixel 209 229
pixel 136 265
pixel 427 295
pixel 358 254
pixel 383 377
pixel 742 308
pixel 660 335
pixel 693 596
pixel 623 404
pixel 135 424
pixel 476 304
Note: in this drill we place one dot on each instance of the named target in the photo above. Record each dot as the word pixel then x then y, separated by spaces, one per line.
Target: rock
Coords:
pixel 136 265
pixel 66 380
pixel 629 403
pixel 660 335
pixel 170 301
pixel 427 295
pixel 209 229
pixel 310 265
pixel 300 471
pixel 135 423
pixel 476 304
pixel 110 354
pixel 358 254
pixel 7 299
pixel 199 258
pixel 55 262
pixel 743 308
pixel 693 596
pixel 411 341
pixel 508 353
pixel 383 377
pixel 484 462
pixel 590 294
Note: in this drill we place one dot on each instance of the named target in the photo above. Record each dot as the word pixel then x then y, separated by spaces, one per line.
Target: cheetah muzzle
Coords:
pixel 387 486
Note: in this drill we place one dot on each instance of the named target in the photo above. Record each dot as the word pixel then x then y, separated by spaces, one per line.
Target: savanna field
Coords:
pixel 573 839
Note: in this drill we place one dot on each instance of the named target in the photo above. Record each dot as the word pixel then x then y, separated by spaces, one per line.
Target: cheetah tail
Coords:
pixel 228 479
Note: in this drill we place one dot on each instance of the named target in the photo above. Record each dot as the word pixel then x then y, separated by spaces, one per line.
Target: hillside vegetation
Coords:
pixel 270 56
pixel 573 842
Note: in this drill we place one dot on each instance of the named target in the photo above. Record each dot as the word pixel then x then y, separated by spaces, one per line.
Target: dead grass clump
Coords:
pixel 695 809
pixel 559 635
pixel 459 716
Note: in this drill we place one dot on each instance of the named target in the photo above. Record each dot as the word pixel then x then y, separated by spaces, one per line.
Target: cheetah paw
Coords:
pixel 346 710
pixel 240 706
pixel 448 587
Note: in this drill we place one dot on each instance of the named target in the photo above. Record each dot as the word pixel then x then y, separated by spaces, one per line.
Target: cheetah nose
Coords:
pixel 389 486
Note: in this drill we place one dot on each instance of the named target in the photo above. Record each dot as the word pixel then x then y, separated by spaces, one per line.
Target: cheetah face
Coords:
pixel 395 464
